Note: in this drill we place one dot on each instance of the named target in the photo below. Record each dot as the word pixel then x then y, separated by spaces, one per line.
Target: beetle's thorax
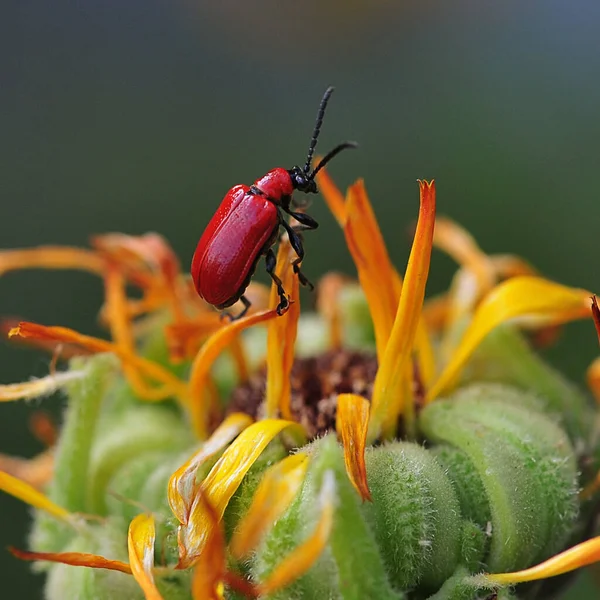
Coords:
pixel 276 185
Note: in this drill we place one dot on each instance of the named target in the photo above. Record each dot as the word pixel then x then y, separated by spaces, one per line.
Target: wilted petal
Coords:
pixel 300 560
pixel 182 487
pixel 596 316
pixel 172 385
pixel 39 387
pixel 377 276
pixel 276 491
pixel 281 337
pixel 352 423
pixel 574 558
pixel 519 297
pixel 140 543
pixel 389 384
pixel 28 494
pixel 208 354
pixel 51 257
pixel 75 559
pixel 222 482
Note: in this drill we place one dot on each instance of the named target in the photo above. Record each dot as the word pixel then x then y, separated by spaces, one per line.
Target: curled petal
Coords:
pixel 222 482
pixel 462 247
pixel 576 557
pixel 172 386
pixel 75 559
pixel 28 494
pixel 140 543
pixel 276 491
pixel 332 195
pixel 389 382
pixel 300 560
pixel 51 257
pixel 36 472
pixel 547 302
pixel 210 351
pixel 182 487
pixel 39 387
pixel 352 423
pixel 281 337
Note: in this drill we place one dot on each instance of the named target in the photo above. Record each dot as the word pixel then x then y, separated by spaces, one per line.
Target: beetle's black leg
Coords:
pixel 247 304
pixel 303 218
pixel 271 261
pixel 296 242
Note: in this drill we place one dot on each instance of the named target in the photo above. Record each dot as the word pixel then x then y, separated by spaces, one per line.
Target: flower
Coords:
pixel 253 497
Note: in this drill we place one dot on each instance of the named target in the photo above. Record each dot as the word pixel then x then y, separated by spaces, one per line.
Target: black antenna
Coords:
pixel 330 155
pixel 317 129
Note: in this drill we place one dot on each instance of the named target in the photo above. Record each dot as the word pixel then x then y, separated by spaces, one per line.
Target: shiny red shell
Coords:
pixel 244 227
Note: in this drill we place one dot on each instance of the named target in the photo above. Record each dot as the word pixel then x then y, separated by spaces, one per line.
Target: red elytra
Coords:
pixel 246 226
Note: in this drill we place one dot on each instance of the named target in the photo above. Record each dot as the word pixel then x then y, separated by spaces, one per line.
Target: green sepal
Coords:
pixel 526 465
pixel 415 515
pixel 461 586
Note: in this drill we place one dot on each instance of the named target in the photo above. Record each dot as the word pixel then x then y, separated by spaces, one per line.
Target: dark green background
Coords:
pixel 139 115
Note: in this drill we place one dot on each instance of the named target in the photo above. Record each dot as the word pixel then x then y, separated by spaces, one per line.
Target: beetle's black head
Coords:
pixel 302 181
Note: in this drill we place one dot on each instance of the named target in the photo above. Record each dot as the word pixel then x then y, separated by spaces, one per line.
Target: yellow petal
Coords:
pixel 51 257
pixel 182 486
pixel 547 302
pixel 377 276
pixel 76 559
pixel 301 559
pixel 281 337
pixel 352 423
pixel 210 351
pixel 276 491
pixel 332 195
pixel 140 543
pixel 38 387
pixel 579 556
pixel 28 494
pixel 387 401
pixel 172 385
pixel 222 482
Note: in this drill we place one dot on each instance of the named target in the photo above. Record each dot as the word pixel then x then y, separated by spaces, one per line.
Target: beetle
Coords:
pixel 246 226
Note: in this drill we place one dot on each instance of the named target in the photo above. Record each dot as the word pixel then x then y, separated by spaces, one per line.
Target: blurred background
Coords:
pixel 139 116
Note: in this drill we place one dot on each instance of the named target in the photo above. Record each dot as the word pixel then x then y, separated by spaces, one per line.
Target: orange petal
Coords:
pixel 76 559
pixel 547 302
pixel 281 337
pixel 210 569
pixel 377 276
pixel 38 387
pixel 51 257
pixel 389 382
pixel 596 316
pixel 36 472
pixel 172 385
pixel 507 266
pixel 574 558
pixel 222 482
pixel 300 560
pixel 182 487
pixel 329 290
pixel 28 494
pixel 278 488
pixel 210 351
pixel 352 423
pixel 43 427
pixel 593 379
pixel 140 543
pixel 185 337
pixel 332 195
pixel 462 247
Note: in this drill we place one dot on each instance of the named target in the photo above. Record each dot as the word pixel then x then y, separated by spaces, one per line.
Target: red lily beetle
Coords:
pixel 246 225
